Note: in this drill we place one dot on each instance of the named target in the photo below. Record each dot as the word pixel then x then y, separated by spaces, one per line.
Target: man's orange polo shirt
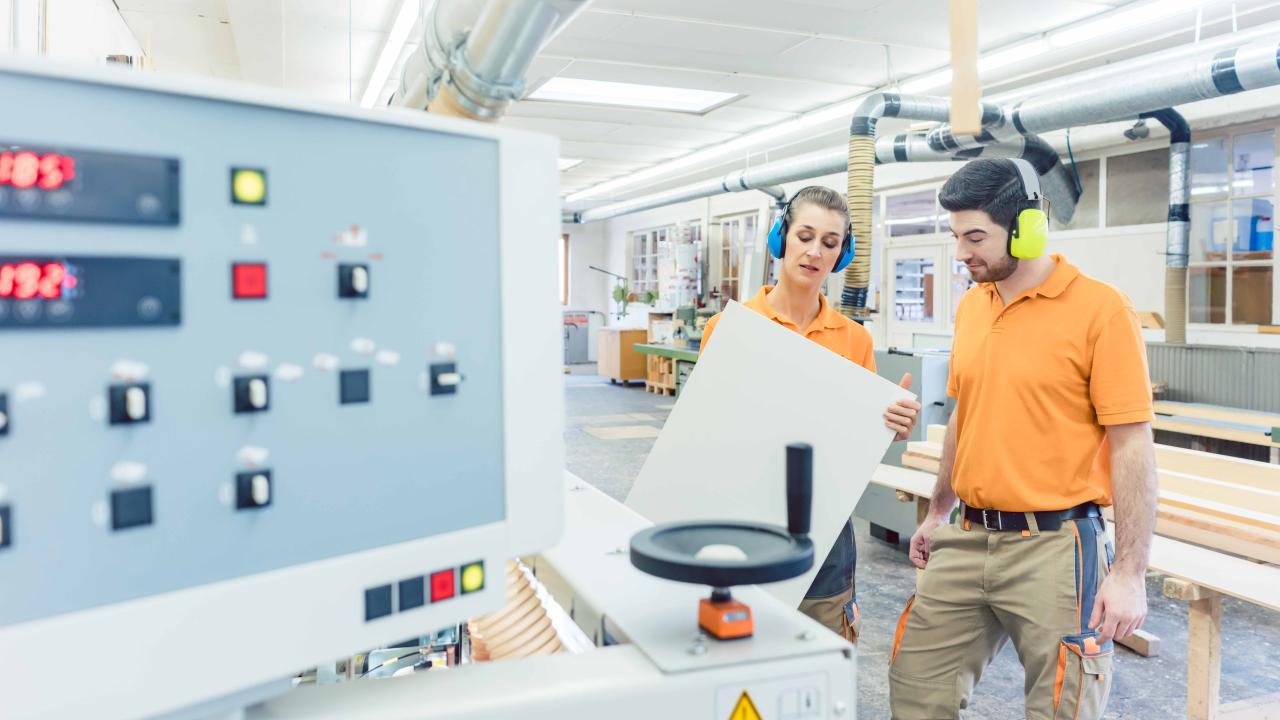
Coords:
pixel 1036 381
pixel 829 329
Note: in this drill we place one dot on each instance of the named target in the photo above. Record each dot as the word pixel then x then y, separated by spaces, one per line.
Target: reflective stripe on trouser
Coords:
pixel 982 589
pixel 838 613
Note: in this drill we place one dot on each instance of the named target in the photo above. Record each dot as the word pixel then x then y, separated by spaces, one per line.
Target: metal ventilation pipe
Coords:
pixel 1125 90
pixel 1178 238
pixel 476 69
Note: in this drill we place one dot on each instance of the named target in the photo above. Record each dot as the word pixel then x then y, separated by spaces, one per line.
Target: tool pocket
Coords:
pixel 851 621
pixel 1083 679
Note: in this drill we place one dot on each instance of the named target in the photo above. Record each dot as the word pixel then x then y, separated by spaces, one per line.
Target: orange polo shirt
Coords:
pixel 829 329
pixel 1036 381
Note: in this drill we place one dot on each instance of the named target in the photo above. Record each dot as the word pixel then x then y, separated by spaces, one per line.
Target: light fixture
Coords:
pixel 567 163
pixel 1139 131
pixel 650 97
pixel 1119 21
pixel 406 16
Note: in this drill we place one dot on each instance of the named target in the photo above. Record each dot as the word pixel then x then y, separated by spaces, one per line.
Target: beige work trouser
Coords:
pixel 838 613
pixel 982 588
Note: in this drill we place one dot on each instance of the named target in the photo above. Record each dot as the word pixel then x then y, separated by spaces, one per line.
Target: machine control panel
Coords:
pixel 198 382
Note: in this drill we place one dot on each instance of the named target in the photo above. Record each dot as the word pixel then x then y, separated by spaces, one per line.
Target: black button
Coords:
pixel 6 527
pixel 130 403
pixel 353 280
pixel 437 371
pixel 5 420
pixel 377 602
pixel 252 393
pixel 353 386
pixel 131 508
pixel 412 593
pixel 254 490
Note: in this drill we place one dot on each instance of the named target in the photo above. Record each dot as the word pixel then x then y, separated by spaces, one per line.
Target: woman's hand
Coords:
pixel 901 416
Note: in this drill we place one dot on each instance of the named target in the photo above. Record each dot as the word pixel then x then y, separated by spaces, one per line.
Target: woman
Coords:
pixel 813 239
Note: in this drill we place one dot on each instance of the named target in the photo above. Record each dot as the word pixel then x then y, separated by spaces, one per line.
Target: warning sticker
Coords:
pixel 745 709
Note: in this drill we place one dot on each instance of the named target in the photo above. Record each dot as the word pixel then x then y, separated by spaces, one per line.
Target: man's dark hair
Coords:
pixel 993 186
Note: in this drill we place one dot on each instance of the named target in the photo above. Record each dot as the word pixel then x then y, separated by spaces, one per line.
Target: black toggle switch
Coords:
pixel 4 414
pixel 444 378
pixel 131 508
pixel 6 526
pixel 353 280
pixel 253 489
pixel 353 386
pixel 252 394
pixel 130 403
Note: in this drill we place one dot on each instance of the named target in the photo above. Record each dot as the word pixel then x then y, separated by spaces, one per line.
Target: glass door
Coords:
pixel 915 293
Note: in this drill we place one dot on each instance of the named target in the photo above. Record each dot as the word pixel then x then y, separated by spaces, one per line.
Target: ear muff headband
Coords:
pixel 778 239
pixel 1030 232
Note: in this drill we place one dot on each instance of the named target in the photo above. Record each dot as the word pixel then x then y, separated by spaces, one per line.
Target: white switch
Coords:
pixel 128 472
pixel 360 280
pixel 253 456
pixel 135 403
pixel 4 421
pixel 258 393
pixel 448 379
pixel 260 488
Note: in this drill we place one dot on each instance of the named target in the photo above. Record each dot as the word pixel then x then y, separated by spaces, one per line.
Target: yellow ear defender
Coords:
pixel 1030 231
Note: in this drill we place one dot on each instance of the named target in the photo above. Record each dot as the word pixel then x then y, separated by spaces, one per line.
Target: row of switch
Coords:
pixel 411 593
pixel 249 281
pixel 130 404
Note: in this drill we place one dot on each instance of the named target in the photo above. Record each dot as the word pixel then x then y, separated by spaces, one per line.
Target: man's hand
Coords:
pixel 1120 607
pixel 901 416
pixel 920 541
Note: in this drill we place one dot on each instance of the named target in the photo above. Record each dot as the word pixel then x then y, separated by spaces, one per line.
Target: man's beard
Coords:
pixel 996 273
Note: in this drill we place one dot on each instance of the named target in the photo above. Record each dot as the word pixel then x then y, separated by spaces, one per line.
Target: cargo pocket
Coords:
pixel 851 621
pixel 1083 679
pixel 902 628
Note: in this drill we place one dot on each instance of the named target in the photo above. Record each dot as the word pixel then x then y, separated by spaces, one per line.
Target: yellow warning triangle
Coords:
pixel 745 709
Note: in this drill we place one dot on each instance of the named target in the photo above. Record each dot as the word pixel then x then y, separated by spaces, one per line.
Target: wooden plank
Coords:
pixel 1204 657
pixel 936 434
pixel 1217 412
pixel 921 463
pixel 1218 533
pixel 1215 429
pixel 1198 503
pixel 1263 707
pixel 1151 320
pixel 1226 493
pixel 1142 642
pixel 966 117
pixel 1255 474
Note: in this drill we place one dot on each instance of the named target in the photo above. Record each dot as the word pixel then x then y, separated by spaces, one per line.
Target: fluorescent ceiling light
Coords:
pixel 1015 54
pixel 1126 19
pixel 406 16
pixel 566 163
pixel 927 82
pixel 654 97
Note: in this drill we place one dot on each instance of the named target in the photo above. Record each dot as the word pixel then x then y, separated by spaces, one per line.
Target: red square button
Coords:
pixel 248 281
pixel 442 585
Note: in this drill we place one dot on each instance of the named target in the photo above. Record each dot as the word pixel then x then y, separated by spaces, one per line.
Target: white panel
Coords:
pixel 567 130
pixel 729 118
pixel 619 151
pixel 721 454
pixel 663 35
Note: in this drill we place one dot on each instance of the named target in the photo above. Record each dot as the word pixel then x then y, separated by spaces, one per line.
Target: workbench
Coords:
pixel 679 356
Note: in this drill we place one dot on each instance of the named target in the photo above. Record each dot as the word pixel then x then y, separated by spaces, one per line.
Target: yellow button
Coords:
pixel 473 577
pixel 248 186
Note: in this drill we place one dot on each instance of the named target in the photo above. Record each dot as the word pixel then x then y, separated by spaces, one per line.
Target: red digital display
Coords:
pixel 249 281
pixel 29 280
pixel 24 169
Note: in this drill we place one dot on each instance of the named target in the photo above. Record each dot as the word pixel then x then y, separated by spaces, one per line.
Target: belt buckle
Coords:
pixel 987 514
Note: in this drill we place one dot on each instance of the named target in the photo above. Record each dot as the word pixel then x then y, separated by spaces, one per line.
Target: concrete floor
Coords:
pixel 1144 688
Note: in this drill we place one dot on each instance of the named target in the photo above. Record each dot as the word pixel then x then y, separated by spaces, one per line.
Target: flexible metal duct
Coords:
pixel 477 72
pixel 1129 89
pixel 1178 234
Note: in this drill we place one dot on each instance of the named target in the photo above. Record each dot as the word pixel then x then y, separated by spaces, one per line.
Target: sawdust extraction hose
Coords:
pixel 857 277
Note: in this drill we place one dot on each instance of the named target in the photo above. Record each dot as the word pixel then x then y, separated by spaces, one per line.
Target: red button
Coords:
pixel 248 281
pixel 441 585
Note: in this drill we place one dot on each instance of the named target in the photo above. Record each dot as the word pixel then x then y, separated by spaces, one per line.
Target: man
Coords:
pixel 813 239
pixel 1052 420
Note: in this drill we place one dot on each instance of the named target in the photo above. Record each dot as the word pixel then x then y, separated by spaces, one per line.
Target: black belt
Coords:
pixel 1045 520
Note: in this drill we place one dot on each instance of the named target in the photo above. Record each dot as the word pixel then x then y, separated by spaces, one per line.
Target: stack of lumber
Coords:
pixel 1215 421
pixel 1217 501
pixel 522 628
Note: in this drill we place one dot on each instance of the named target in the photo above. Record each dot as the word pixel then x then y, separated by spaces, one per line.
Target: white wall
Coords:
pixel 88 30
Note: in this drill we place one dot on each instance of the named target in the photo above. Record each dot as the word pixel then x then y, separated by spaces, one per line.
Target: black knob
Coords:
pixel 799 487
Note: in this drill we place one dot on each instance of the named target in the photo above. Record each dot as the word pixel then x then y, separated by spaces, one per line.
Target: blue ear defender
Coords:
pixel 778 236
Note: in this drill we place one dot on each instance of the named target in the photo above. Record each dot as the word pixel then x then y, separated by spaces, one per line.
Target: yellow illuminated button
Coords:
pixel 248 186
pixel 472 577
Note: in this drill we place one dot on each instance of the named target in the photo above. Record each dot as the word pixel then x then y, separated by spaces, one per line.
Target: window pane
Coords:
pixel 1251 161
pixel 1138 188
pixel 1251 296
pixel 1086 215
pixel 1209 167
pixel 913 290
pixel 1254 234
pixel 1207 295
pixel 912 214
pixel 960 283
pixel 1210 232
